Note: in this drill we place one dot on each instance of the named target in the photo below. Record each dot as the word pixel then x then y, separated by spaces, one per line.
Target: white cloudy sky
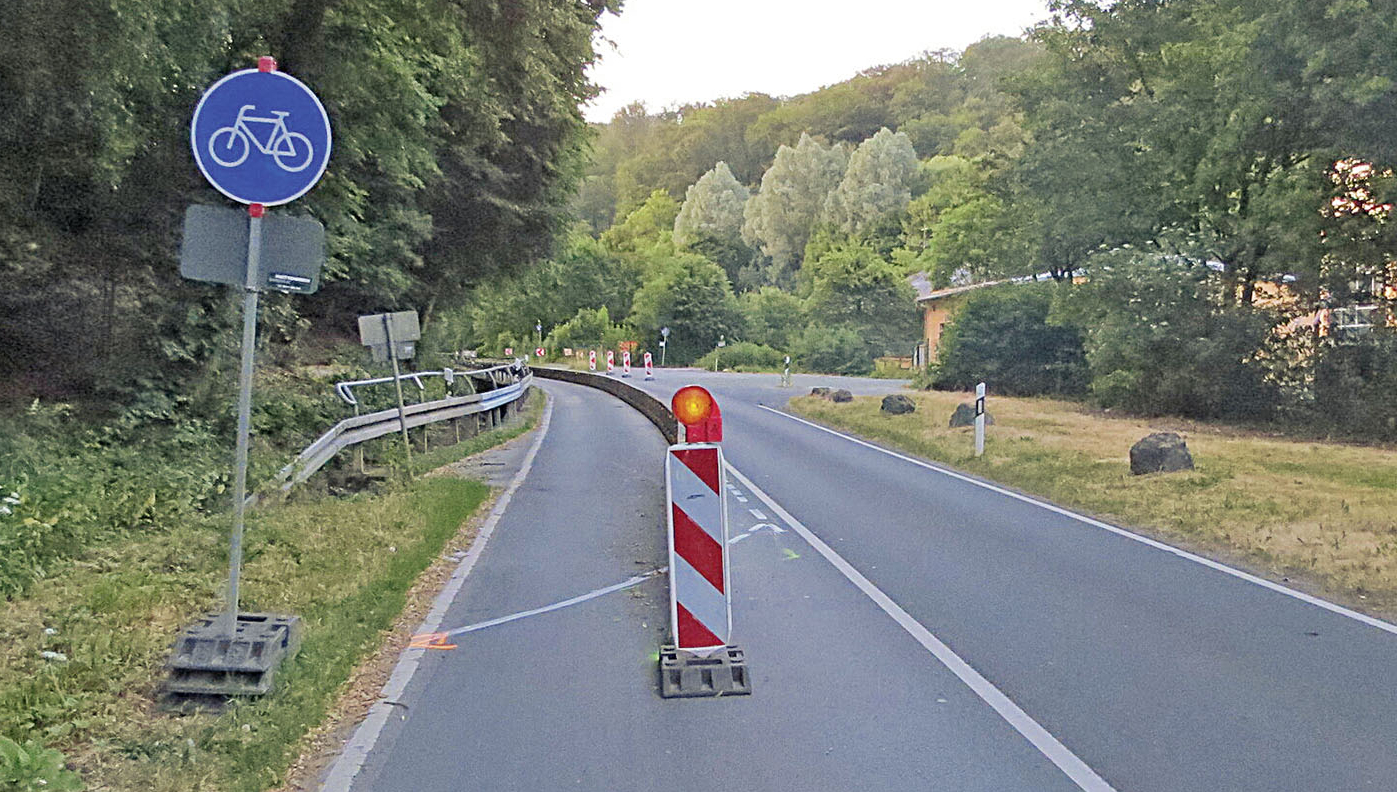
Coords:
pixel 670 52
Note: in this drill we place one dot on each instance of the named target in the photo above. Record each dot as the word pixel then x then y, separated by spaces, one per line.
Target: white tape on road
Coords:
pixel 1074 768
pixel 591 595
pixel 1207 562
pixel 356 751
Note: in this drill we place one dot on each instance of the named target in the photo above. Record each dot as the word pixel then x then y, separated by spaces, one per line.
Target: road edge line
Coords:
pixel 356 752
pixel 1218 566
pixel 1049 746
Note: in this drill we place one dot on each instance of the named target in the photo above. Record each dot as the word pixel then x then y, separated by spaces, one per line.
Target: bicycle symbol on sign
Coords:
pixel 230 145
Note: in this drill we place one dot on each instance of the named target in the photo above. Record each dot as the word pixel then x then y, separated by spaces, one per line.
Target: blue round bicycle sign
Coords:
pixel 261 137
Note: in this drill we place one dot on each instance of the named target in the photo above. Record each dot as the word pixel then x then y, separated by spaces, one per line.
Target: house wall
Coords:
pixel 936 317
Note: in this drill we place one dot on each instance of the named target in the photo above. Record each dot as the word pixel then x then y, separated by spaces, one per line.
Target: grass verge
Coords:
pixel 1321 516
pixel 108 618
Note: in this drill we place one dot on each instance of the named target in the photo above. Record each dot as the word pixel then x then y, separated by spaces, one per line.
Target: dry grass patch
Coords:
pixel 1319 515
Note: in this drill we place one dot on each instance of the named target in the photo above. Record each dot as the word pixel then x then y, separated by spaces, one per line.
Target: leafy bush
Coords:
pixel 34 768
pixel 744 356
pixel 1001 336
pixel 587 328
pixel 65 486
pixel 771 317
pixel 1162 337
pixel 1355 386
pixel 832 350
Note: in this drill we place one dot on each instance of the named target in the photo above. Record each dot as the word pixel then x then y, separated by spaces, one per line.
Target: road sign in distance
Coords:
pixel 214 249
pixel 260 137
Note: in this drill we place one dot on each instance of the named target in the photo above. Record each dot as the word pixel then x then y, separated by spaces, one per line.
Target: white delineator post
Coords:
pixel 610 362
pixel 626 363
pixel 980 419
pixel 592 360
pixel 649 367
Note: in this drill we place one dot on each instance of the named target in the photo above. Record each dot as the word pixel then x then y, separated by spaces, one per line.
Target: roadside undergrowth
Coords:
pixel 82 654
pixel 1321 516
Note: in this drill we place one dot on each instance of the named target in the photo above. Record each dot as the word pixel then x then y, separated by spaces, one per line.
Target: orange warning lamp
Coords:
pixel 695 408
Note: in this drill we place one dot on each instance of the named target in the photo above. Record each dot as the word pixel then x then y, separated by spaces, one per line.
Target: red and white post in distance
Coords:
pixel 649 367
pixel 700 601
pixel 610 362
pixel 626 363
pixel 592 360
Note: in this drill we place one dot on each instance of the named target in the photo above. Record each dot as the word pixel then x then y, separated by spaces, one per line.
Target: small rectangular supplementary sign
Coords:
pixel 214 249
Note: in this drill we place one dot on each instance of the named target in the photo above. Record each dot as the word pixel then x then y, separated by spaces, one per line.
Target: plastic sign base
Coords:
pixel 686 675
pixel 206 663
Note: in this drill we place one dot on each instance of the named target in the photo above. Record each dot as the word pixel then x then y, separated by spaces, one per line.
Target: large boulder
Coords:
pixel 841 396
pixel 965 416
pixel 1161 452
pixel 823 393
pixel 898 404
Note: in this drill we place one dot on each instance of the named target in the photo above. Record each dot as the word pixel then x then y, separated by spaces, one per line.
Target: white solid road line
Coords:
pixel 1074 768
pixel 356 751
pixel 1207 562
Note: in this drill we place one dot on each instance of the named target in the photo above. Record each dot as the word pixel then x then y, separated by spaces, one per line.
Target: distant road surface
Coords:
pixel 905 629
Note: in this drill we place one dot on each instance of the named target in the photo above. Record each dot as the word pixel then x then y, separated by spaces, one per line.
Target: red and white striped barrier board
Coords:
pixel 610 361
pixel 540 352
pixel 699 601
pixel 649 366
pixel 592 360
pixel 626 363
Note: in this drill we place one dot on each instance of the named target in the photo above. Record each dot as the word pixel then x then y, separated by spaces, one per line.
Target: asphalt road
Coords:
pixel 904 629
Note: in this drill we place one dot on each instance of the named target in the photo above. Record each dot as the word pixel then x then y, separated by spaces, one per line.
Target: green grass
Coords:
pixel 1320 515
pixel 343 565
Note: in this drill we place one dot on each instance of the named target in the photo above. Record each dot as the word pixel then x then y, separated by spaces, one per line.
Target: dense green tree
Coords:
pixel 648 229
pixel 581 274
pixel 710 221
pixel 1165 336
pixel 457 140
pixel 853 287
pixel 877 183
pixel 692 297
pixel 1001 337
pixel 780 217
pixel 771 317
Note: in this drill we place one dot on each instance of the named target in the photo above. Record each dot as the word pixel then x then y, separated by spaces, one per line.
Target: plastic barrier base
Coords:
pixel 685 675
pixel 208 664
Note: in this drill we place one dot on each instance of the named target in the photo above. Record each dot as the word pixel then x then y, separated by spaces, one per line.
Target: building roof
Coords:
pixel 931 296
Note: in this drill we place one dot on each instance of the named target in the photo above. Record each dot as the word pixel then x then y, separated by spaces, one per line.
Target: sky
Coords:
pixel 672 52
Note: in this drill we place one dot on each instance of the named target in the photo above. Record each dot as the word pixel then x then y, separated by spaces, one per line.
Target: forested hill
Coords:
pixel 458 140
pixel 948 103
pixel 1221 173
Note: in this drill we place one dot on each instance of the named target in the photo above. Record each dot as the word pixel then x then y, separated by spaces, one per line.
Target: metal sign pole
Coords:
pixel 397 383
pixel 235 555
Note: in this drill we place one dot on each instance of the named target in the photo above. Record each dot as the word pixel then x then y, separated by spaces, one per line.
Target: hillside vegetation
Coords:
pixel 1205 190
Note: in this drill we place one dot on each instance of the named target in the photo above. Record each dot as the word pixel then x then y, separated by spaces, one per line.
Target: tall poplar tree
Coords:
pixel 710 221
pixel 780 217
pixel 877 184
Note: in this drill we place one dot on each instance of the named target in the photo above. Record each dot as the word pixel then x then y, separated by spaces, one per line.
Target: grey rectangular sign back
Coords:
pixel 403 324
pixel 214 249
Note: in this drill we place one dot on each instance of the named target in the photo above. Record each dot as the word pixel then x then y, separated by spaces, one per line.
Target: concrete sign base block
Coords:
pixel 685 675
pixel 205 663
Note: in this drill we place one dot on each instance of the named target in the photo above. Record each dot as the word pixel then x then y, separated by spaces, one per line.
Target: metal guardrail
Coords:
pixel 361 428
